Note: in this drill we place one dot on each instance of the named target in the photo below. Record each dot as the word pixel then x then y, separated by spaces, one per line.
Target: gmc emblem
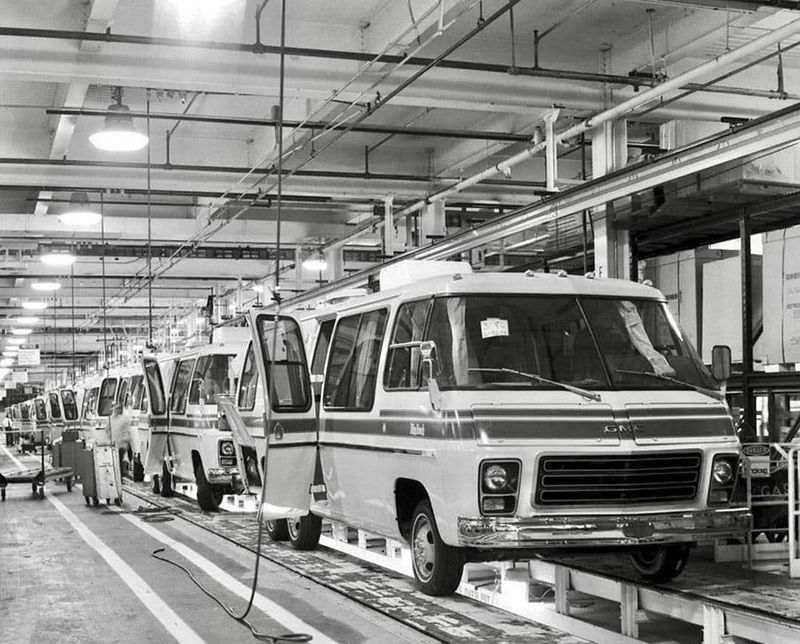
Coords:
pixel 620 429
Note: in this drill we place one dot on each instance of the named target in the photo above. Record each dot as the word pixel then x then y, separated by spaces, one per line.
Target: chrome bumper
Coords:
pixel 602 530
pixel 220 476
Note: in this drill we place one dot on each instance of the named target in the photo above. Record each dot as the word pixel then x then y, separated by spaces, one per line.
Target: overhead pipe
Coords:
pixel 606 116
pixel 481 135
pixel 333 54
pixel 322 174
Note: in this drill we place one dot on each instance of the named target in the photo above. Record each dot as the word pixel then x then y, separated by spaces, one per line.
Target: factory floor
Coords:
pixel 74 573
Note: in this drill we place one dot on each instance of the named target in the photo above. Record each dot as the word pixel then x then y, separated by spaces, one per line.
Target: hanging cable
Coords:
pixel 103 279
pixel 72 325
pixel 268 386
pixel 149 239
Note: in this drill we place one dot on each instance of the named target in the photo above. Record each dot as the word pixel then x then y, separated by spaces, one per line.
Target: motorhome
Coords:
pixel 186 440
pixel 97 400
pixel 485 415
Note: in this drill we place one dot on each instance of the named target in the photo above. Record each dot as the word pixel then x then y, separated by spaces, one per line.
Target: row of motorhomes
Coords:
pixel 474 416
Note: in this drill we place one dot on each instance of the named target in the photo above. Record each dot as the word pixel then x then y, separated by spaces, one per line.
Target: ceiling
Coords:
pixel 202 196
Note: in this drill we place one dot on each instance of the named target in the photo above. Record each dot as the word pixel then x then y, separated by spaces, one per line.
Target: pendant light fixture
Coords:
pixel 45 286
pixel 118 133
pixel 79 212
pixel 57 258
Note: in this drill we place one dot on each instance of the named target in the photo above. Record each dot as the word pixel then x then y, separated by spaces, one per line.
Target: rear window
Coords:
pixel 25 412
pixel 89 400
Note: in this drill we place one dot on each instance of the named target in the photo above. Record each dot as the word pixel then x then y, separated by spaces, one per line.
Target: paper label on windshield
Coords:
pixel 494 327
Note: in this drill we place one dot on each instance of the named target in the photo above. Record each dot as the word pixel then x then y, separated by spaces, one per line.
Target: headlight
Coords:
pixel 722 472
pixel 495 478
pixel 226 449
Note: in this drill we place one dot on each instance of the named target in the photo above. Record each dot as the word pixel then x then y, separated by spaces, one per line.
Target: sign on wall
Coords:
pixel 19 376
pixel 28 355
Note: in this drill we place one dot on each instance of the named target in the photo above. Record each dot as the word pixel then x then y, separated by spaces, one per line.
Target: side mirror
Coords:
pixel 721 362
pixel 428 351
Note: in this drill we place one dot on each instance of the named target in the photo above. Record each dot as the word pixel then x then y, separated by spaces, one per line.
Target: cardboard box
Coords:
pixel 782 296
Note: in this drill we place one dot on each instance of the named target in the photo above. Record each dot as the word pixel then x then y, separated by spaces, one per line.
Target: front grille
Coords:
pixel 630 479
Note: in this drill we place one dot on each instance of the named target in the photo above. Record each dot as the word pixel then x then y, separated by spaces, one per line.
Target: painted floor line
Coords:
pixel 275 611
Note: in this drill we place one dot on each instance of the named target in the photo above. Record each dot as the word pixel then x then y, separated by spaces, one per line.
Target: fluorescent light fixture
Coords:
pixel 34 305
pixel 21 331
pixel 25 319
pixel 6 362
pixel 10 353
pixel 315 264
pixel 60 258
pixel 258 288
pixel 17 340
pixel 45 286
pixel 118 133
pixel 80 211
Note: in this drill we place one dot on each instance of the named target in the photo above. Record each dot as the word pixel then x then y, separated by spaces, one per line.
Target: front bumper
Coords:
pixel 602 530
pixel 221 476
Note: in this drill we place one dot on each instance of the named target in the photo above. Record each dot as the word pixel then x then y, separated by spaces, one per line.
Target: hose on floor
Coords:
pixel 264 637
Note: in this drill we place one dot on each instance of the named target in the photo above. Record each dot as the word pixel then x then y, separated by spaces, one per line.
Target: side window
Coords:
pixel 55 408
pixel 249 383
pixel 109 388
pixel 403 361
pixel 41 410
pixel 70 409
pixel 181 386
pixel 353 363
pixel 290 389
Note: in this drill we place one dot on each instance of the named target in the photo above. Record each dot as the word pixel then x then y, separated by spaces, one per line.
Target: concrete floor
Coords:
pixel 56 587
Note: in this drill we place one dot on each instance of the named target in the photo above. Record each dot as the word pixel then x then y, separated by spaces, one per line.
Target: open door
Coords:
pixel 157 419
pixel 289 451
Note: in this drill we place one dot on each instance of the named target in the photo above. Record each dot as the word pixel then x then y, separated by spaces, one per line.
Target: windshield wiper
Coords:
pixel 703 390
pixel 585 393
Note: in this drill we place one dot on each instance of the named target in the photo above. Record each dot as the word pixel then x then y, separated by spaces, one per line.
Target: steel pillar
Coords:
pixel 611 246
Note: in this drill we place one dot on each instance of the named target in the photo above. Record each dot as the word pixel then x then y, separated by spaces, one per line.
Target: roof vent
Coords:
pixel 589 275
pixel 647 282
pixel 561 272
pixel 414 270
pixel 530 273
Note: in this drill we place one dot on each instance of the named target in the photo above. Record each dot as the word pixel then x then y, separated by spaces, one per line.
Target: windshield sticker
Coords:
pixel 493 328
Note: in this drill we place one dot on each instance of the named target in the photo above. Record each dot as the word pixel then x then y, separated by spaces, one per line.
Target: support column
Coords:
pixel 334 264
pixel 749 406
pixel 611 246
pixel 432 223
pixel 298 270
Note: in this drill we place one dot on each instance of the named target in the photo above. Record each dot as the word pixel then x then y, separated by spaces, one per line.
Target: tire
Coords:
pixel 69 484
pixel 95 501
pixel 277 530
pixel 437 566
pixel 156 485
pixel 86 499
pixel 304 531
pixel 118 501
pixel 3 494
pixel 661 563
pixel 208 496
pixel 166 481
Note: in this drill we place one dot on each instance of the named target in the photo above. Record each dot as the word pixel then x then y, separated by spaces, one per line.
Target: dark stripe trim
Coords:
pixel 374 448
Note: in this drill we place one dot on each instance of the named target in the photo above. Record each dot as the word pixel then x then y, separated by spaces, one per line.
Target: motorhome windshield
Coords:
pixel 589 342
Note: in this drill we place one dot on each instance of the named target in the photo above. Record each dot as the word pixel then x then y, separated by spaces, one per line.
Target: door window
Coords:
pixel 403 362
pixel 290 388
pixel 70 408
pixel 41 410
pixel 109 388
pixel 249 382
pixel 156 386
pixel 353 362
pixel 212 376
pixel 181 386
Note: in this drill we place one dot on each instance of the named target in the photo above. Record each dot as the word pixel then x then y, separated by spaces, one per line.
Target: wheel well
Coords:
pixel 196 460
pixel 407 494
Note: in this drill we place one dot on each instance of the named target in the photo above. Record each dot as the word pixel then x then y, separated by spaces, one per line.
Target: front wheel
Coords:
pixel 661 563
pixel 437 566
pixel 166 481
pixel 277 529
pixel 208 496
pixel 304 532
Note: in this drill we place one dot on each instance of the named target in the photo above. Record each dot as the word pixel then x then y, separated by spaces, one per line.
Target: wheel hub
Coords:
pixel 423 549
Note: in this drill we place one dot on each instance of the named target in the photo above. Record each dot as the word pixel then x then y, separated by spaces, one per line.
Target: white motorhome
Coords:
pixel 186 440
pixel 498 414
